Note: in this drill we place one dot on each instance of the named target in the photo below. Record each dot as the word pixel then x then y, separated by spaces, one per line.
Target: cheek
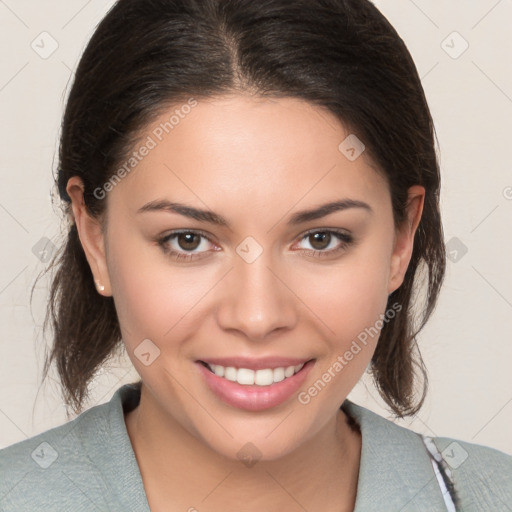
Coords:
pixel 350 302
pixel 350 296
pixel 153 298
pixel 350 299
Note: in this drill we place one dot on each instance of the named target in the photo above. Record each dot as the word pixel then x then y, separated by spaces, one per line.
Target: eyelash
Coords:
pixel 345 241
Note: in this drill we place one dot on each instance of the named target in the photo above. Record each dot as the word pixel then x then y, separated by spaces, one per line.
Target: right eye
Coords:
pixel 185 245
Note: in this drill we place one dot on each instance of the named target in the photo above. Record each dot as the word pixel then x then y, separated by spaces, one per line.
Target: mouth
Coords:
pixel 267 384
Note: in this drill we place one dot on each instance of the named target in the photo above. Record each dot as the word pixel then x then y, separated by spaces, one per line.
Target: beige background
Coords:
pixel 468 344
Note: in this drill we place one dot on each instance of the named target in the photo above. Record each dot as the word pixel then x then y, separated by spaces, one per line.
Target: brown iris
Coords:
pixel 188 241
pixel 320 240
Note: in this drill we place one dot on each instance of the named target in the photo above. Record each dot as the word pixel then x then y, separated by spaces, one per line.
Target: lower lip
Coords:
pixel 253 397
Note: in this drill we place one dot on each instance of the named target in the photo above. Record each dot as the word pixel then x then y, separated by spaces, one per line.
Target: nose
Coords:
pixel 256 300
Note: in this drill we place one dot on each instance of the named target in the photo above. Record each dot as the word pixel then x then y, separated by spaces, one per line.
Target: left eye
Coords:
pixel 326 241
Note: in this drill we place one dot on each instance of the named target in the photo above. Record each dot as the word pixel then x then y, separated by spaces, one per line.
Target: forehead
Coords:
pixel 273 151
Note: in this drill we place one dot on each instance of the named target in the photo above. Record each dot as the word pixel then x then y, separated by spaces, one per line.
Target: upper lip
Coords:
pixel 255 364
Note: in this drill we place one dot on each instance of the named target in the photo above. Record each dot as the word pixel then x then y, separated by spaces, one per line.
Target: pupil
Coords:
pixel 320 240
pixel 186 241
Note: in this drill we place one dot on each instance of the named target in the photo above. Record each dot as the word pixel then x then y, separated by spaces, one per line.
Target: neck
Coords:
pixel 179 470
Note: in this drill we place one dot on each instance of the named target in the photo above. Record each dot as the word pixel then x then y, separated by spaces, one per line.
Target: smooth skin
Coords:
pixel 255 162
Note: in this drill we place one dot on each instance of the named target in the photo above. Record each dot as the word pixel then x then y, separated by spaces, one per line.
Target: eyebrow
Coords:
pixel 214 218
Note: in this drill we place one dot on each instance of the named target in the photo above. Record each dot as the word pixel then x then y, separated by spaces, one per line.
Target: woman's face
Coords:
pixel 263 275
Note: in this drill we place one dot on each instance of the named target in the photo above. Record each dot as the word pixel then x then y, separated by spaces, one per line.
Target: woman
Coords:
pixel 253 193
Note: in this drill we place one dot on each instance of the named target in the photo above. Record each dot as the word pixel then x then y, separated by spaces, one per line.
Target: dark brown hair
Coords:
pixel 343 55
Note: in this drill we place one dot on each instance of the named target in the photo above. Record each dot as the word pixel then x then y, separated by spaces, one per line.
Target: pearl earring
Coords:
pixel 99 286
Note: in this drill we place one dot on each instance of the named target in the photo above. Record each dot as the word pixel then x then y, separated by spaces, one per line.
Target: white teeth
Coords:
pixel 248 377
pixel 245 376
pixel 289 371
pixel 264 377
pixel 278 374
pixel 218 370
pixel 230 373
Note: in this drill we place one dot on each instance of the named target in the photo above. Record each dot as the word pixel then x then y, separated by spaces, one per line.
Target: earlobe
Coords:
pixel 100 287
pixel 91 236
pixel 404 238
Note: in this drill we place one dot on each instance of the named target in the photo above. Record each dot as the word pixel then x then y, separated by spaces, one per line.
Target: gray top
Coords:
pixel 88 464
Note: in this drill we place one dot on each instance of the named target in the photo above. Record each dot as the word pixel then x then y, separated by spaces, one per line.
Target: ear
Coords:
pixel 91 236
pixel 404 237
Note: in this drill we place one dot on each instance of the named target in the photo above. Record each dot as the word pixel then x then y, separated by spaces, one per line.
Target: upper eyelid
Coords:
pixel 184 231
pixel 338 231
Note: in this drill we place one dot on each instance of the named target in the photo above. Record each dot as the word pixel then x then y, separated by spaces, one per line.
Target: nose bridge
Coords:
pixel 255 301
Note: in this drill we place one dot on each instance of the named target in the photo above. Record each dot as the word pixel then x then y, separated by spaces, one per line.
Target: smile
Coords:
pixel 269 384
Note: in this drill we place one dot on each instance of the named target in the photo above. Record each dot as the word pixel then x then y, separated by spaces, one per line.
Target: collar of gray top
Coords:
pixel 395 470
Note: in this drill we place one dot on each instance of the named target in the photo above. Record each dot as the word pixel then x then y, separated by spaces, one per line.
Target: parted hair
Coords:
pixel 147 55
